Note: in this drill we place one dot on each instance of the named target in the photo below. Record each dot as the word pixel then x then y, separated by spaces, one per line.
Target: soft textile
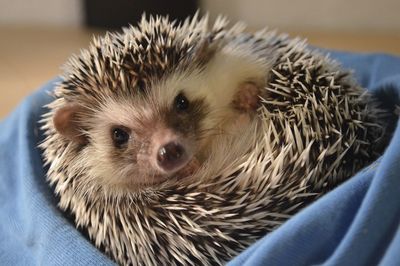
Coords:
pixel 356 224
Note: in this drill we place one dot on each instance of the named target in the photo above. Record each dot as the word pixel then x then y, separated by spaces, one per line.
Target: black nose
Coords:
pixel 171 156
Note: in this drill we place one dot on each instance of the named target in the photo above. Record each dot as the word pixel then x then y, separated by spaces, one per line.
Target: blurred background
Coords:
pixel 37 36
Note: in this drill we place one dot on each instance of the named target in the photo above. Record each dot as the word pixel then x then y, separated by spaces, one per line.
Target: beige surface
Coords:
pixel 339 15
pixel 31 56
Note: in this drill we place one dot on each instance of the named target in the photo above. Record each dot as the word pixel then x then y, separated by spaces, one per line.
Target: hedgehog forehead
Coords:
pixel 122 111
pixel 131 110
pixel 163 93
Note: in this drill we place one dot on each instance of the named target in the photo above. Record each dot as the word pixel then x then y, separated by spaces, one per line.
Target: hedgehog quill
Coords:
pixel 184 144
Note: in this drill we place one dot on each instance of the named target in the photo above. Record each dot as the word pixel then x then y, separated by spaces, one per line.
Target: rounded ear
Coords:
pixel 247 97
pixel 66 122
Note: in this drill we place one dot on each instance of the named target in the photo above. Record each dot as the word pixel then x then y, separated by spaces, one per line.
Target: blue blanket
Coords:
pixel 356 224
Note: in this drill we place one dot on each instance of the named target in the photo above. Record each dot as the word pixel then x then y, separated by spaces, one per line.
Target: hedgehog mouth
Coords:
pixel 189 169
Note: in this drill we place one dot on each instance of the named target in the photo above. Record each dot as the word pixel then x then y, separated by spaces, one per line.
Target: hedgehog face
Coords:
pixel 145 112
pixel 147 140
pixel 164 134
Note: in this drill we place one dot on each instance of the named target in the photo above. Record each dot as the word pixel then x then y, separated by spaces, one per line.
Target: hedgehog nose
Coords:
pixel 171 156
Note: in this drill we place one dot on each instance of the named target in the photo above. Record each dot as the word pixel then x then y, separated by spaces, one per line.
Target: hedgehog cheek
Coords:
pixel 66 123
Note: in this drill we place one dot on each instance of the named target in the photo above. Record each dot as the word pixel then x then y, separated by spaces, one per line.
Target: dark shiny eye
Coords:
pixel 120 136
pixel 181 102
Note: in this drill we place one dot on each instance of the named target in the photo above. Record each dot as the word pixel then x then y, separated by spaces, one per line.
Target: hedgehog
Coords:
pixel 182 143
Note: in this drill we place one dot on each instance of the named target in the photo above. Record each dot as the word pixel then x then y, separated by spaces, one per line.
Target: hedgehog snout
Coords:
pixel 172 156
pixel 171 151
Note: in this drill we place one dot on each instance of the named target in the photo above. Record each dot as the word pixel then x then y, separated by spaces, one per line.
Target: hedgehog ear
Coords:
pixel 66 122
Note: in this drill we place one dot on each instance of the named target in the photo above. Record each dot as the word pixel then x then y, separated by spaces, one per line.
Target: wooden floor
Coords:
pixel 31 56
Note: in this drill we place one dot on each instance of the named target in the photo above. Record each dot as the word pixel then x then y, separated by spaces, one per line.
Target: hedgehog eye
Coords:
pixel 120 136
pixel 181 102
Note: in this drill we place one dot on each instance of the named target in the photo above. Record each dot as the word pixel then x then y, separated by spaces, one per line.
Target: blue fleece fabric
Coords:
pixel 355 224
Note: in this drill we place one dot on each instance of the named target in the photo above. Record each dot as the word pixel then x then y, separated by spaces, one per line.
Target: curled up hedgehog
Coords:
pixel 183 143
